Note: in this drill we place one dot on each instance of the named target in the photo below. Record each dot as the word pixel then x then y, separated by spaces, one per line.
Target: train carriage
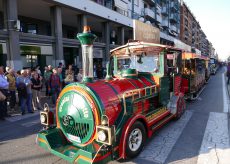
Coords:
pixel 214 65
pixel 110 119
pixel 194 74
pixel 207 68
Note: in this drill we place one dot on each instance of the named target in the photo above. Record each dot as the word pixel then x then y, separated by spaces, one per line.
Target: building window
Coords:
pixel 32 28
pixel 28 28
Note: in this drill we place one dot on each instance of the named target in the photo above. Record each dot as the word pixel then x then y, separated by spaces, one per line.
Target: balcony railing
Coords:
pixel 174 17
pixel 158 18
pixel 165 23
pixel 173 28
pixel 149 12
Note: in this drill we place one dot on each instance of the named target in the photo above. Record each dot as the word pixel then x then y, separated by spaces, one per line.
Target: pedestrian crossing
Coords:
pixel 215 145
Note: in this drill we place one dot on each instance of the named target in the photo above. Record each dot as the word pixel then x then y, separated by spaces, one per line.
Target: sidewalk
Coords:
pixel 17 111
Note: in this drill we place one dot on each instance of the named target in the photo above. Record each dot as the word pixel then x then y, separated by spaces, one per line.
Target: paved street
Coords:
pixel 200 136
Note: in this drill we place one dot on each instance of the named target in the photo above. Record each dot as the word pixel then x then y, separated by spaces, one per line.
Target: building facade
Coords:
pixel 191 32
pixel 43 32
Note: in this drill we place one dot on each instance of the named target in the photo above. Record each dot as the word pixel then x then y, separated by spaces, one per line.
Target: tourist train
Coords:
pixel 111 119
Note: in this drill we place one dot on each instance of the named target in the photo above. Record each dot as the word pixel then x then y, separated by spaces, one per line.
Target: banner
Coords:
pixel 145 32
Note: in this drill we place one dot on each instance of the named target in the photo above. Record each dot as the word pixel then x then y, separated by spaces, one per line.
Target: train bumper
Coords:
pixel 54 141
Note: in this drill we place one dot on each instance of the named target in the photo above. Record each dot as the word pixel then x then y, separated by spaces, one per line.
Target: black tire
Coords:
pixel 136 127
pixel 180 105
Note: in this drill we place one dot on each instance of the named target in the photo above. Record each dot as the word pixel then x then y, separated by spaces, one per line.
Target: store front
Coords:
pixel 33 55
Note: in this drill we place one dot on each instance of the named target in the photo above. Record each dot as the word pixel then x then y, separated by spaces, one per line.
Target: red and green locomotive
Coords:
pixel 110 119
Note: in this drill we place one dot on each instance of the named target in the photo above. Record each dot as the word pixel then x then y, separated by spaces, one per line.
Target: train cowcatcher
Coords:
pixel 102 120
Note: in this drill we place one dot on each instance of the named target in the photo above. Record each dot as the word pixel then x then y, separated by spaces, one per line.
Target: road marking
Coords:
pixel 225 97
pixel 162 143
pixel 215 146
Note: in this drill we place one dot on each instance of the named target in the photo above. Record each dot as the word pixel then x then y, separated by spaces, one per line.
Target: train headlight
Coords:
pixel 43 118
pixel 101 136
pixel 105 134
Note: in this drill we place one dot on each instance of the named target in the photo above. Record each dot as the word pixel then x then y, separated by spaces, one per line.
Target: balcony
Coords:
pixel 149 13
pixel 173 28
pixel 164 11
pixel 158 18
pixel 158 9
pixel 174 18
pixel 174 6
pixel 164 23
pixel 150 2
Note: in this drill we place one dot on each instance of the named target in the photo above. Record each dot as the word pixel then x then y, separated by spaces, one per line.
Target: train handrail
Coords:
pixel 132 93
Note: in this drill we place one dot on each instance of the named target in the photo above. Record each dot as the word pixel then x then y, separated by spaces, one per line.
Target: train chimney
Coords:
pixel 87 38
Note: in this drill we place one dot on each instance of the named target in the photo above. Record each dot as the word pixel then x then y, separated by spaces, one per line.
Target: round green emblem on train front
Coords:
pixel 76 117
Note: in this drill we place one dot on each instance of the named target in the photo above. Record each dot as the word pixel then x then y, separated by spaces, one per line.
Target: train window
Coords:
pixel 145 63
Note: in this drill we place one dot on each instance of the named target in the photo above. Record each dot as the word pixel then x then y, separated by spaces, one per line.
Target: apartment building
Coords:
pixel 186 23
pixel 44 32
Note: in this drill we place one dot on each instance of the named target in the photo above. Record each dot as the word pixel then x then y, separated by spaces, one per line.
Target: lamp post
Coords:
pixel 87 38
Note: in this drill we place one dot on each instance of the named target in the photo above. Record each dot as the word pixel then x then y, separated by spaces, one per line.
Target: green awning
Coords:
pixel 30 50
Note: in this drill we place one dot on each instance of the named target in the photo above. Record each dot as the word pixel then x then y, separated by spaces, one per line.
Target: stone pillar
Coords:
pixel 13 46
pixel 56 26
pixel 121 35
pixel 82 21
pixel 106 39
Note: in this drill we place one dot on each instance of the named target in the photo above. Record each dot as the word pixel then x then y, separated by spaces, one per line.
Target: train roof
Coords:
pixel 138 47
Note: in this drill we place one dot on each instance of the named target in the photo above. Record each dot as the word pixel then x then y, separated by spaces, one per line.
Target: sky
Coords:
pixel 214 18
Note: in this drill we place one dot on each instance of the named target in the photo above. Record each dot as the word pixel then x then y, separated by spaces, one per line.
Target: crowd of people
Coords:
pixel 28 83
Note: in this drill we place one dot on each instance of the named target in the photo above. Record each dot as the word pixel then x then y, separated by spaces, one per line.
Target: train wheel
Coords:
pixel 180 107
pixel 135 139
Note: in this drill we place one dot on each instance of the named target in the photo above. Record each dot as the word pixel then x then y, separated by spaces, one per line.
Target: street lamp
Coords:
pixel 87 38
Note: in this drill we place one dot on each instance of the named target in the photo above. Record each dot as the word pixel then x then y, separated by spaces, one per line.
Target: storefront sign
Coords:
pixel 32 50
pixel 145 32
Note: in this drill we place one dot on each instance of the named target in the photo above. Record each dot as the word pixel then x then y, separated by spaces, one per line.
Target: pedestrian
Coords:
pixel 3 89
pixel 7 70
pixel 11 78
pixel 54 85
pixel 80 75
pixel 46 76
pixel 24 88
pixel 37 68
pixel 228 72
pixel 36 93
pixel 60 76
pixel 69 75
